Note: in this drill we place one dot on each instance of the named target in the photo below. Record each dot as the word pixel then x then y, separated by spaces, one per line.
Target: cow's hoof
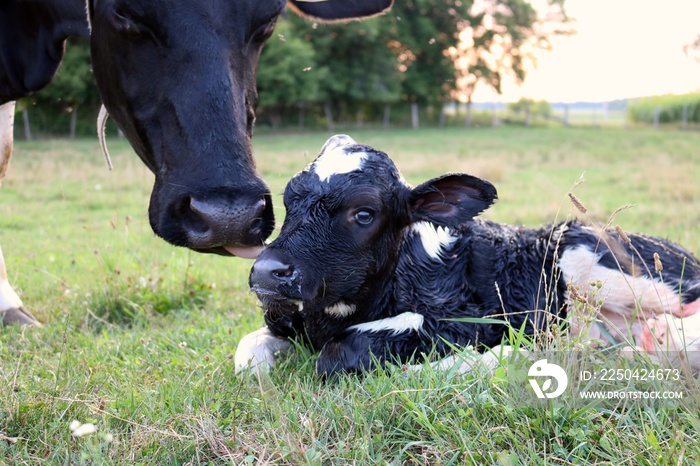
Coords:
pixel 19 316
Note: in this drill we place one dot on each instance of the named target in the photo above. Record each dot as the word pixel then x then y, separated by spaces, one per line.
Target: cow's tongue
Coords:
pixel 246 253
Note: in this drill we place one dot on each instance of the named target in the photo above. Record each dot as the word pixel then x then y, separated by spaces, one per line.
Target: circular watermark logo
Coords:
pixel 542 370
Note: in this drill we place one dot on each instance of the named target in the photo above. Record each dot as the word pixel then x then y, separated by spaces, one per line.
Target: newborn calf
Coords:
pixel 367 266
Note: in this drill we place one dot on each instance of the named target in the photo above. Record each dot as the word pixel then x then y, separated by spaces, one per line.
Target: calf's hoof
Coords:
pixel 19 316
pixel 344 355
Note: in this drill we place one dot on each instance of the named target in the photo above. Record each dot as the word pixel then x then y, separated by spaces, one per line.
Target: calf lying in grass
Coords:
pixel 367 268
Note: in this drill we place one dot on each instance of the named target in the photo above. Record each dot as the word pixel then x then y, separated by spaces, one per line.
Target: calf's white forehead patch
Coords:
pixel 335 159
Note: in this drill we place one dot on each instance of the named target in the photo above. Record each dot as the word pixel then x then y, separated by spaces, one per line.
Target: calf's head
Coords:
pixel 179 79
pixel 347 213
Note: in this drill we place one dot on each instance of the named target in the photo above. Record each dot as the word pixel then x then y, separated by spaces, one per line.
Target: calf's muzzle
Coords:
pixel 273 277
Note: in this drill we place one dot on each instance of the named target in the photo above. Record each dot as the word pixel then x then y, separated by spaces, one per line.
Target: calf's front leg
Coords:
pixel 256 351
pixel 352 349
pixel 393 339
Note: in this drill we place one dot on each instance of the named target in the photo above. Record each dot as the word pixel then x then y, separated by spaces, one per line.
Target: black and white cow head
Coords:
pixel 347 213
pixel 179 79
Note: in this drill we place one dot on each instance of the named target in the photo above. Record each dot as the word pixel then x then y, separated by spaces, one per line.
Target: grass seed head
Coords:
pixel 623 236
pixel 578 203
pixel 658 266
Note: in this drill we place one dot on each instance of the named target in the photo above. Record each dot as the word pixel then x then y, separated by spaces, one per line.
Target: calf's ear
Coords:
pixel 338 10
pixel 451 200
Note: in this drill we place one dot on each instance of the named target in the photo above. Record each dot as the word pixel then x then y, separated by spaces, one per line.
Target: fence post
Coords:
pixel 329 117
pixel 684 117
pixel 527 114
pixel 657 117
pixel 468 115
pixel 604 112
pixel 414 115
pixel 566 115
pixel 73 121
pixel 27 128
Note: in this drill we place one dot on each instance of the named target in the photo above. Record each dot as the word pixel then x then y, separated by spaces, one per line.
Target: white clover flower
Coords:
pixel 80 430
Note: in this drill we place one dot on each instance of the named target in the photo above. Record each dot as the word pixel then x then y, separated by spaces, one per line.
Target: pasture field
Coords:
pixel 139 335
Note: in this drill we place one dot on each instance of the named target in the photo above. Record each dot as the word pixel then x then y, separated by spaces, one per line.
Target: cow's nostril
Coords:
pixel 193 216
pixel 256 227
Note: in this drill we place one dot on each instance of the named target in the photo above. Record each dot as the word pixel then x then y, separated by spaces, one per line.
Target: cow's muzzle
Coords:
pixel 226 223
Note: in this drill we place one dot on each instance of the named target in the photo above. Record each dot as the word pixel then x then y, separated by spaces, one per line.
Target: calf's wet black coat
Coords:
pixel 367 265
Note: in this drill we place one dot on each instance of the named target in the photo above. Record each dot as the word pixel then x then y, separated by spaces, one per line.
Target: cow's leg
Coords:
pixel 11 308
pixel 256 351
pixel 7 119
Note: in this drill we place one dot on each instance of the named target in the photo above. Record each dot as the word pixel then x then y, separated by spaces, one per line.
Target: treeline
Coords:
pixel 395 69
pixel 399 68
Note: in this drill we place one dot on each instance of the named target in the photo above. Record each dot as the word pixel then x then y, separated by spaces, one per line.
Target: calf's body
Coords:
pixel 368 267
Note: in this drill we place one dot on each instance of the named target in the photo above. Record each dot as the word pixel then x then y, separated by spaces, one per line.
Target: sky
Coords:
pixel 623 49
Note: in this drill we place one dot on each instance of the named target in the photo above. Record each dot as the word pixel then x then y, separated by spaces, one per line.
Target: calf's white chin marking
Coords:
pixel 335 160
pixel 340 309
pixel 408 321
pixel 435 239
pixel 256 351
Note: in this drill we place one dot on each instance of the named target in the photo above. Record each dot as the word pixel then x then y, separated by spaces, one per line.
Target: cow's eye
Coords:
pixel 364 217
pixel 124 22
pixel 262 33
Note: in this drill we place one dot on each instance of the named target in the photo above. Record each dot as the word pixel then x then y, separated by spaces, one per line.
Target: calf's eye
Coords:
pixel 364 217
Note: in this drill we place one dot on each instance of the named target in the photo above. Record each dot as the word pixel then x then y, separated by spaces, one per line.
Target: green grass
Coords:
pixel 139 335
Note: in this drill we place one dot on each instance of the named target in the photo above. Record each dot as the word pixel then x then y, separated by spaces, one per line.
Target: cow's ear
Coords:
pixel 451 200
pixel 339 10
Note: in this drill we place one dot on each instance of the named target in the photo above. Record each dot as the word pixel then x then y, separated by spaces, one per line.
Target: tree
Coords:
pixel 531 107
pixel 421 52
pixel 499 38
pixel 420 32
pixel 73 86
pixel 693 49
pixel 288 74
pixel 361 70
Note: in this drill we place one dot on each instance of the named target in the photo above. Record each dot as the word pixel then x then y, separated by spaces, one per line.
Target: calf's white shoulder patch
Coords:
pixel 408 321
pixel 435 239
pixel 335 159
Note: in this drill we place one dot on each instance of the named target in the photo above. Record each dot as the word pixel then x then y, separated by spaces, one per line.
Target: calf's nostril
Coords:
pixel 283 272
